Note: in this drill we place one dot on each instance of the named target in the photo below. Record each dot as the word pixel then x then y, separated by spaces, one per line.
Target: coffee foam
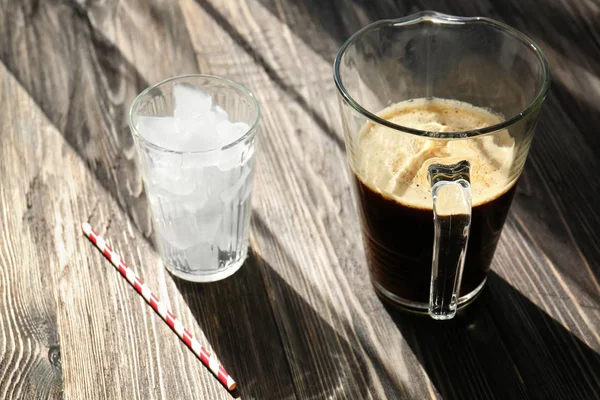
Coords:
pixel 395 164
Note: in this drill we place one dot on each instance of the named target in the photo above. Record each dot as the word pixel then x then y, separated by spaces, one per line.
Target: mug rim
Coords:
pixel 437 17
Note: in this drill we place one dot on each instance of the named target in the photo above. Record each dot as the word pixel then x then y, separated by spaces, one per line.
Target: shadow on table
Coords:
pixel 503 346
pixel 271 72
pixel 325 24
pixel 286 355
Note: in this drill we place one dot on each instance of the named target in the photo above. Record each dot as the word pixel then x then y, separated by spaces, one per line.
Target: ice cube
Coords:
pixel 183 224
pixel 178 231
pixel 196 200
pixel 200 123
pixel 196 162
pixel 157 130
pixel 201 142
pixel 180 134
pixel 229 238
pixel 200 133
pixel 163 159
pixel 190 102
pixel 202 257
pixel 229 132
pixel 168 180
pixel 230 159
pixel 246 190
pixel 220 113
pixel 232 191
pixel 207 221
pixel 205 200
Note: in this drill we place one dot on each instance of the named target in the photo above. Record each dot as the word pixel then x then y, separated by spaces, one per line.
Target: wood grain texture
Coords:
pixel 299 320
pixel 111 343
pixel 30 364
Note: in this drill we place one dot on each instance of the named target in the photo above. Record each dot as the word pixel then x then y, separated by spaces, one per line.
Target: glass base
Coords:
pixel 208 277
pixel 419 307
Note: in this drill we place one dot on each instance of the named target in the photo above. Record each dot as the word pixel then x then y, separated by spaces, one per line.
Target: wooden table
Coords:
pixel 299 320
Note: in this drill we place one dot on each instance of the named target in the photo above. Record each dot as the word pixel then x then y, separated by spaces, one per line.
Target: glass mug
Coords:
pixel 439 114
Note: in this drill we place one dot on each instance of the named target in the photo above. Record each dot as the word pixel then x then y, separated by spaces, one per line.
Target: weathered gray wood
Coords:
pixel 64 308
pixel 88 110
pixel 30 365
pixel 300 320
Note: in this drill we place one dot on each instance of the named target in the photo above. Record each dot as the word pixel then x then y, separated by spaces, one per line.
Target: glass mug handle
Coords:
pixel 451 193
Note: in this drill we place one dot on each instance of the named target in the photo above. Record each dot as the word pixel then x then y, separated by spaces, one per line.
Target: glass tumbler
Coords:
pixel 196 138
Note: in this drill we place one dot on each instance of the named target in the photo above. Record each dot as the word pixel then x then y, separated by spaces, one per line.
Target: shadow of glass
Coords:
pixel 502 347
pixel 293 354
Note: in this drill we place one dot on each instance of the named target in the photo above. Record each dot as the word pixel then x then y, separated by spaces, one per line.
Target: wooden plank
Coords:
pixel 551 360
pixel 30 353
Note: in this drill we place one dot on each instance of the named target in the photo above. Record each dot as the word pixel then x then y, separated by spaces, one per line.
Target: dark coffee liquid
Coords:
pixel 398 242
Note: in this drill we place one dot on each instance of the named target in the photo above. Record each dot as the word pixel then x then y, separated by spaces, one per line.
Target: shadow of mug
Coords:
pixel 503 347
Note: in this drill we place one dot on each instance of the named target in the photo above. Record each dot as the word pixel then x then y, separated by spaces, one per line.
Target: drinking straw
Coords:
pixel 160 308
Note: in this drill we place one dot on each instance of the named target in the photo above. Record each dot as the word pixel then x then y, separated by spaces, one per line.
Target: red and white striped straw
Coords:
pixel 160 308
